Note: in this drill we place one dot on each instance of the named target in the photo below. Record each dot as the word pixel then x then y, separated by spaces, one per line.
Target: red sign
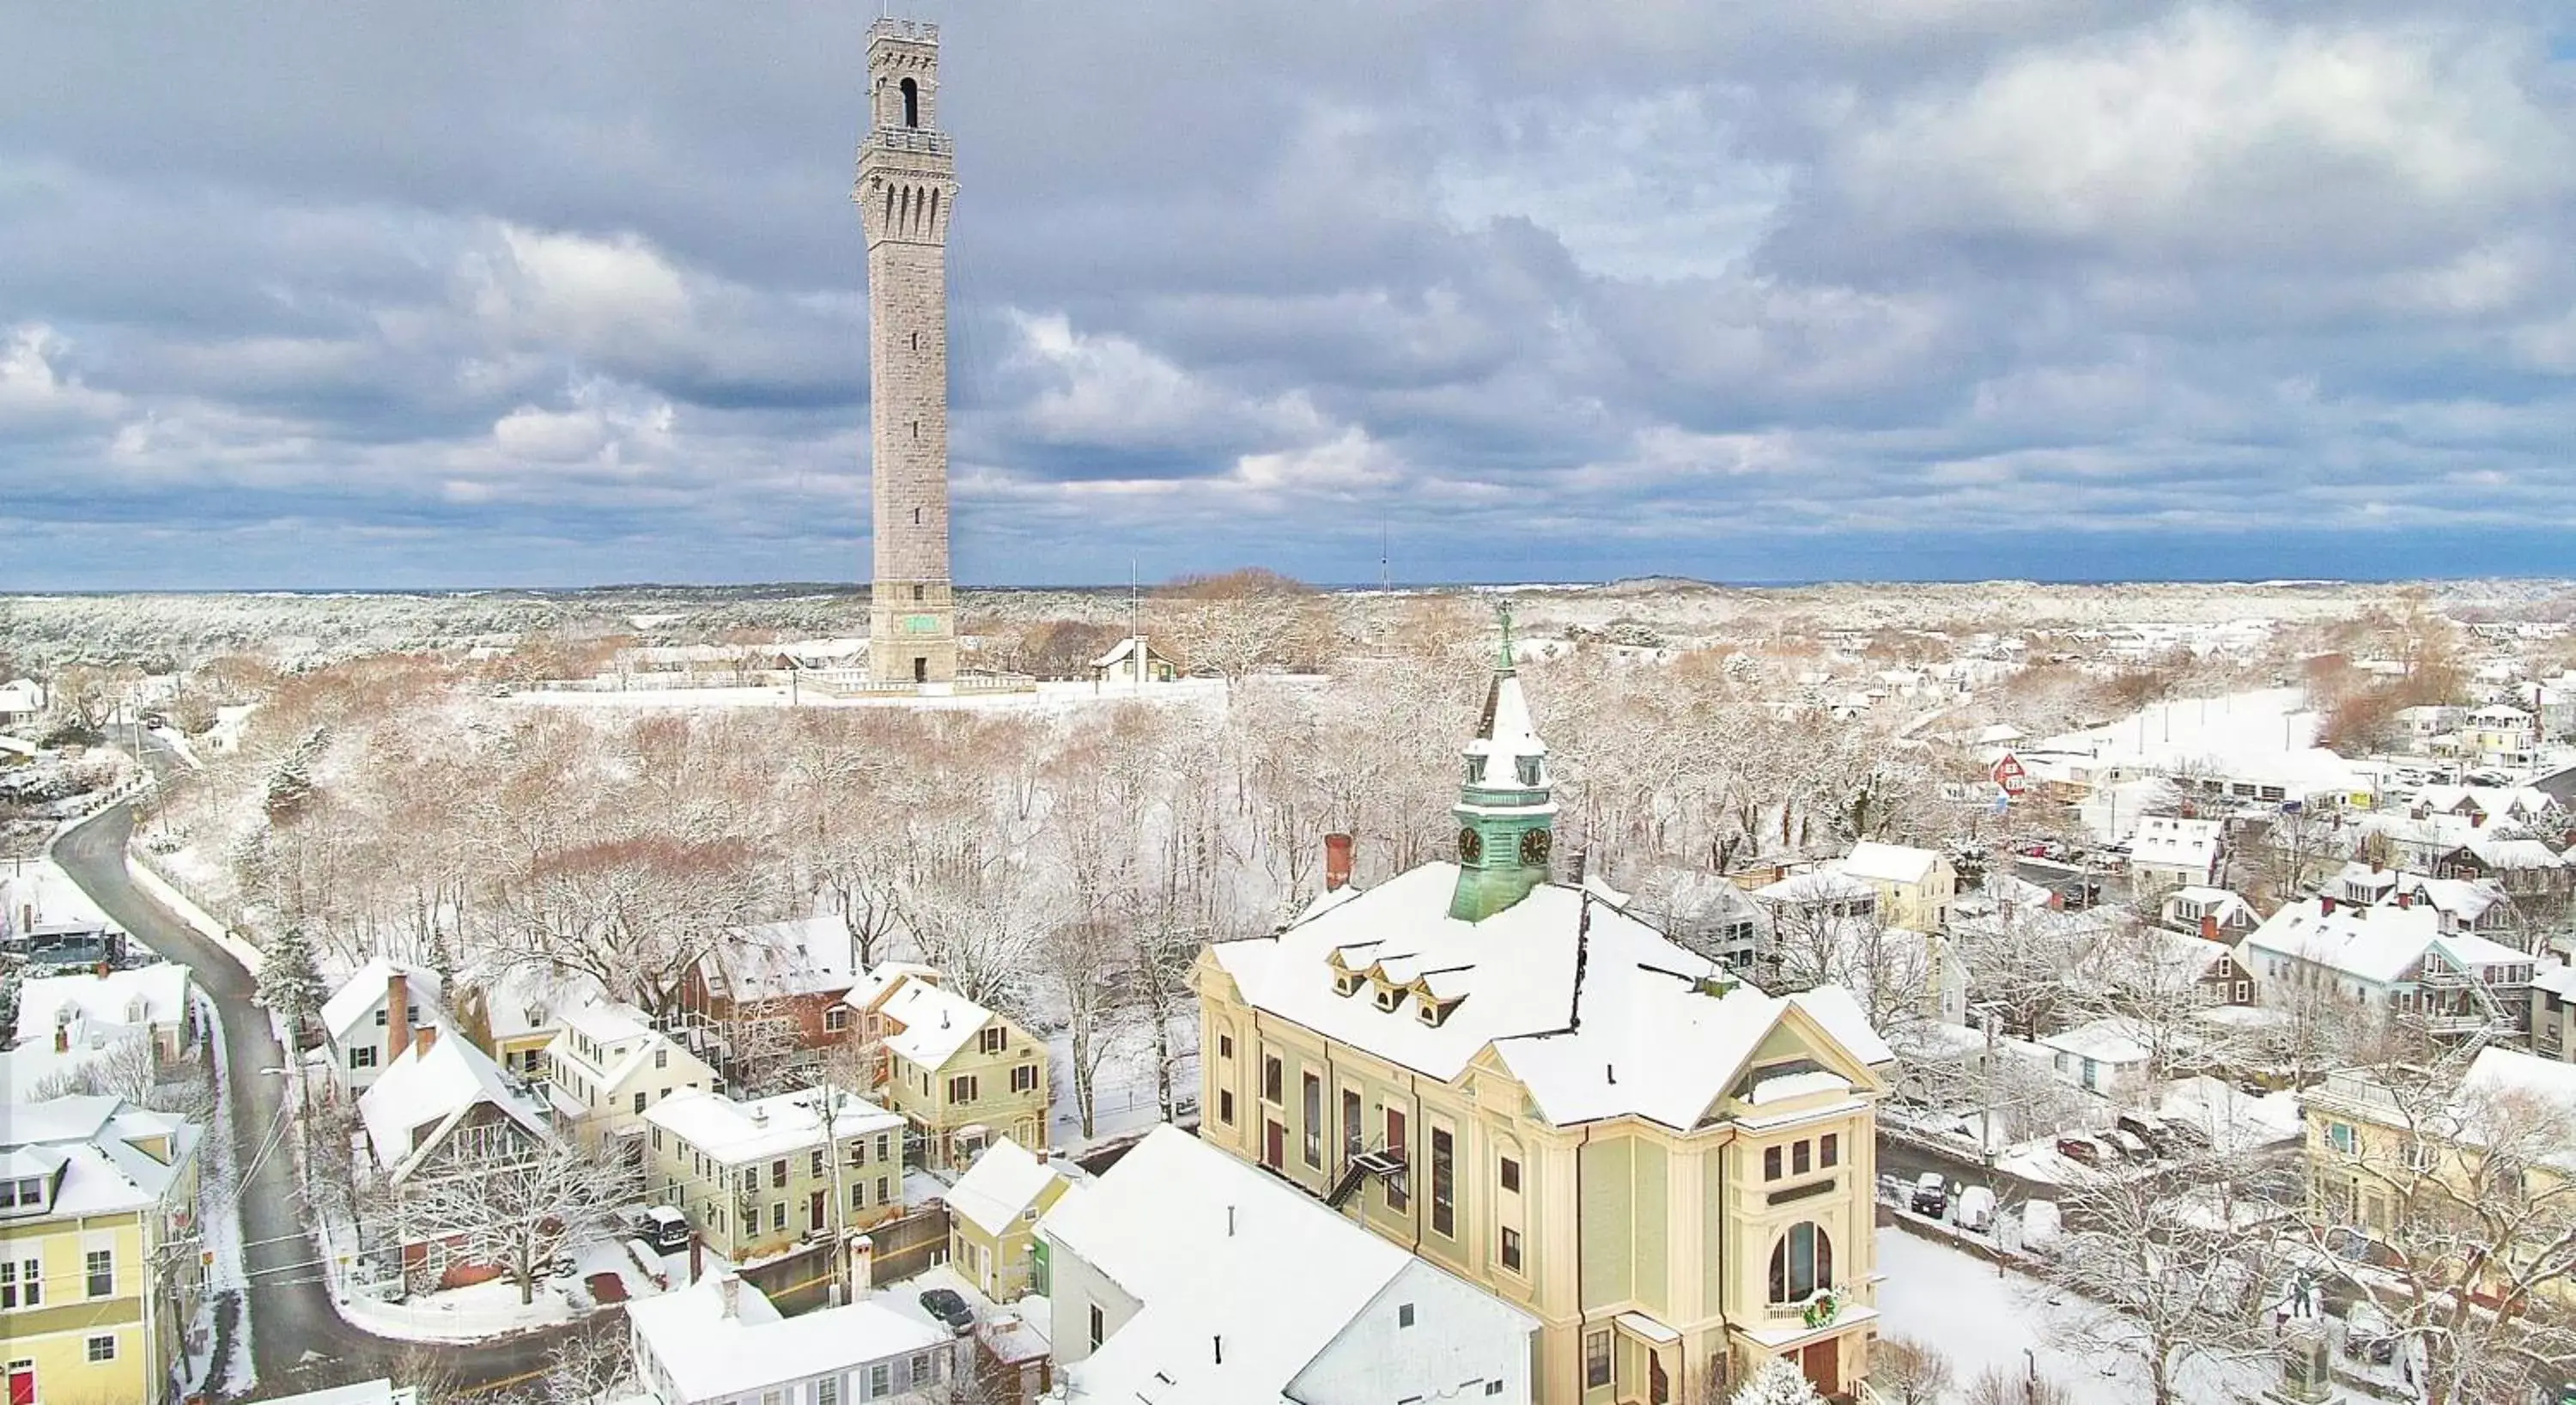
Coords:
pixel 2009 774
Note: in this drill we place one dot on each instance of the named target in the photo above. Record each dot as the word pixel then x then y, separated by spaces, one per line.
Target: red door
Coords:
pixel 1823 1363
pixel 22 1385
pixel 1274 1145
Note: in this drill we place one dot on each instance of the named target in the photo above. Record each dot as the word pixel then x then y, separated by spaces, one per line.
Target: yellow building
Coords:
pixel 1916 887
pixel 2404 1169
pixel 992 1236
pixel 607 1064
pixel 99 1266
pixel 1532 1089
pixel 961 1075
pixel 757 1178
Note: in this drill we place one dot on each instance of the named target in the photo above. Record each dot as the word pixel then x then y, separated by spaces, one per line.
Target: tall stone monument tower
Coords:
pixel 906 192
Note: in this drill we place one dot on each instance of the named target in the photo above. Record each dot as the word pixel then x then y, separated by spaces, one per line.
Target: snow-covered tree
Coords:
pixel 1906 1371
pixel 290 983
pixel 521 1212
pixel 1777 1381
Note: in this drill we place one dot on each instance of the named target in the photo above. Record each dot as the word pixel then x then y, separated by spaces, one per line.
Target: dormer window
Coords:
pixel 1347 982
pixel 1529 771
pixel 1389 996
pixel 1434 1012
pixel 1475 770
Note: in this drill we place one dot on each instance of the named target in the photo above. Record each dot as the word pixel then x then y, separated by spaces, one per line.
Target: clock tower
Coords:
pixel 907 193
pixel 1506 819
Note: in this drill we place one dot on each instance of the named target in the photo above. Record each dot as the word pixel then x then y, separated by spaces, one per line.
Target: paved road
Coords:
pixel 299 1340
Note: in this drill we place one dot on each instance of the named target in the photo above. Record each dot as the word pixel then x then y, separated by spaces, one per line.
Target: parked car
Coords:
pixel 2129 1144
pixel 1976 1209
pixel 2153 1131
pixel 662 1226
pixel 950 1308
pixel 2082 1149
pixel 2040 1224
pixel 1931 1195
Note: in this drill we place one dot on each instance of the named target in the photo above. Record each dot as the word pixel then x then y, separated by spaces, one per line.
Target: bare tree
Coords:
pixel 1906 1371
pixel 2446 1181
pixel 2165 1279
pixel 1997 1386
pixel 518 1213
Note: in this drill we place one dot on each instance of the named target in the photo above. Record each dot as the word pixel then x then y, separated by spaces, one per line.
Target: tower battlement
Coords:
pixel 903 30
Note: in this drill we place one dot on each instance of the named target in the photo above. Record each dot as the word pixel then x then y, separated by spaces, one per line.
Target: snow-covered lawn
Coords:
pixel 474 1314
pixel 1983 1316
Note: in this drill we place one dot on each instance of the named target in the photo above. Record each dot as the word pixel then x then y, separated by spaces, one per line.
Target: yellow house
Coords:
pixel 2403 1168
pixel 1672 1171
pixel 961 1075
pixel 1916 887
pixel 757 1178
pixel 607 1064
pixel 99 1266
pixel 992 1238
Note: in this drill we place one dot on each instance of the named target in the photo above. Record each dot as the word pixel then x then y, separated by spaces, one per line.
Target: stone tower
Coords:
pixel 906 192
pixel 1506 817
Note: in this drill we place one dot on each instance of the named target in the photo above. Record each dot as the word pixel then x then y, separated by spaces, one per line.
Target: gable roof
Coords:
pixel 735 1132
pixel 134 998
pixel 771 960
pixel 936 1022
pixel 1002 1184
pixel 709 1355
pixel 365 987
pixel 1595 1012
pixel 1215 1250
pixel 436 1091
pixel 1889 863
pixel 2376 944
pixel 89 1142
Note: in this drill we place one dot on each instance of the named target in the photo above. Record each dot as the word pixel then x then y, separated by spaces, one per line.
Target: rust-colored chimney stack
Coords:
pixel 1337 862
pixel 2209 926
pixel 423 1040
pixel 2325 905
pixel 397 1014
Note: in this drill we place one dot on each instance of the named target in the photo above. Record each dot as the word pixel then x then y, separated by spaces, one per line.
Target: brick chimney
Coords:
pixel 397 1014
pixel 423 1040
pixel 2209 926
pixel 101 970
pixel 2404 898
pixel 729 1288
pixel 2325 905
pixel 1337 862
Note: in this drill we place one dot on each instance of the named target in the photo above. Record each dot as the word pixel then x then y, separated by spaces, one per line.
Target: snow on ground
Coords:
pixel 1053 697
pixel 612 1256
pixel 471 1314
pixel 1125 1097
pixel 1986 1316
pixel 905 1296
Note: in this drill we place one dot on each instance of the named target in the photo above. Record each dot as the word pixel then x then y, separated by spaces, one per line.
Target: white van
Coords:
pixel 1976 1209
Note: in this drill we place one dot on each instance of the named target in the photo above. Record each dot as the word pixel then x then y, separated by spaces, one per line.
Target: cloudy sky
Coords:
pixel 531 293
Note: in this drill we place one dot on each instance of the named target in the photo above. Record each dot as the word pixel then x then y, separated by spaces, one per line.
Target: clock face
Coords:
pixel 1534 846
pixel 1471 846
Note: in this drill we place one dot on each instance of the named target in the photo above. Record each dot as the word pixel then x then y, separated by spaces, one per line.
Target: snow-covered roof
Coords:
pixel 90 1143
pixel 1889 863
pixel 709 1355
pixel 365 989
pixel 873 983
pixel 735 1132
pixel 1813 886
pixel 2557 979
pixel 936 1022
pixel 1004 1182
pixel 376 1392
pixel 2191 957
pixel 2111 1040
pixel 1216 1251
pixel 135 998
pixel 2163 841
pixel 2501 1070
pixel 770 960
pixel 420 1098
pixel 1507 733
pixel 2514 853
pixel 2221 903
pixel 2376 944
pixel 1595 1012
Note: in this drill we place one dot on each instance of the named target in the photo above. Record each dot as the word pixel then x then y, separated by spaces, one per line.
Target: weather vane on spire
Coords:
pixel 1503 612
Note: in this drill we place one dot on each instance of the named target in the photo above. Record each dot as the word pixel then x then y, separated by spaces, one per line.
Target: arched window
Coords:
pixel 911 103
pixel 1801 1263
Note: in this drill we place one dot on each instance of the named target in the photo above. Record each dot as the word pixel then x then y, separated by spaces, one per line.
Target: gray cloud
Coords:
pixel 1540 287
